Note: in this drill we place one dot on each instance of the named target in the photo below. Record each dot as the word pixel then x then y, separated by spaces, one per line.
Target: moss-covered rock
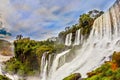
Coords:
pixel 74 76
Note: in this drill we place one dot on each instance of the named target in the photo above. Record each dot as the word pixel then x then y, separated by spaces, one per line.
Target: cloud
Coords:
pixel 35 17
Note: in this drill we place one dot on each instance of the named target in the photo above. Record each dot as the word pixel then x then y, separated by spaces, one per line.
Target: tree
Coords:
pixel 67 28
pixel 85 20
pixel 95 13
pixel 18 37
pixel 116 58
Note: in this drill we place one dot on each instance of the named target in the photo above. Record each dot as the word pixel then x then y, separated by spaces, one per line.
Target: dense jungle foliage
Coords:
pixel 28 54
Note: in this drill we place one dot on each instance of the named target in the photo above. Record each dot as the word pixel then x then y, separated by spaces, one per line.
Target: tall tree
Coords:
pixel 18 37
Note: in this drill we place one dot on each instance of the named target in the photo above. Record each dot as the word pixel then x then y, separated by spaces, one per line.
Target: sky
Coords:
pixel 42 19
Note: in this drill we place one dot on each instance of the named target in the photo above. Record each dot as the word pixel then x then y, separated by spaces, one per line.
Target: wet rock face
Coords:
pixel 5 48
pixel 75 76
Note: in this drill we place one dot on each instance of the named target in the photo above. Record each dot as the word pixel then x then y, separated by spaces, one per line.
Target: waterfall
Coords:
pixel 56 61
pixel 78 38
pixel 43 68
pixel 104 39
pixel 68 39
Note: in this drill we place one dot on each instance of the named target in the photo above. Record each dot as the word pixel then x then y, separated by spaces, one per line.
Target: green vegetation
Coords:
pixel 28 54
pixel 85 24
pixel 108 71
pixel 4 78
pixel 116 58
pixel 14 66
pixel 26 50
pixel 74 76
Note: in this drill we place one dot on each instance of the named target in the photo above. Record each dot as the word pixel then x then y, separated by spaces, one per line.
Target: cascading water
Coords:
pixel 102 42
pixel 104 39
pixel 44 64
pixel 68 41
pixel 78 38
pixel 56 62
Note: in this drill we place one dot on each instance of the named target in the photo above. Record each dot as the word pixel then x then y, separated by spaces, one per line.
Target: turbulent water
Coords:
pixel 104 39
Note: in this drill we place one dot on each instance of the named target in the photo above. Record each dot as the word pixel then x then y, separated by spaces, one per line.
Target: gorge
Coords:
pixel 91 53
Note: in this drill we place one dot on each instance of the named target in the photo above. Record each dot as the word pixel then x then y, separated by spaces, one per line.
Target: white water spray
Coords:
pixel 102 42
pixel 68 39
